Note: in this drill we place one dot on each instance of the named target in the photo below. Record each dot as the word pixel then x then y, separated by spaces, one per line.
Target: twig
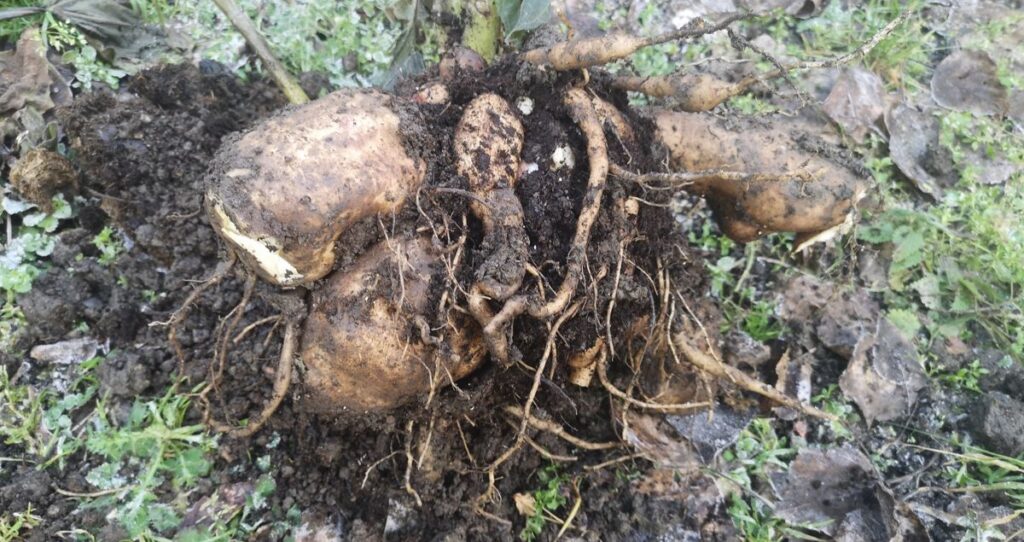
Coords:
pixel 572 512
pixel 248 329
pixel 555 429
pixel 465 443
pixel 282 381
pixel 716 368
pixel 375 464
pixel 93 494
pixel 179 315
pixel 859 52
pixel 537 376
pixel 702 92
pixel 549 455
pixel 611 462
pixel 292 91
pixel 409 463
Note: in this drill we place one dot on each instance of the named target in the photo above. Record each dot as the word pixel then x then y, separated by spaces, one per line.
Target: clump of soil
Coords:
pixel 143 154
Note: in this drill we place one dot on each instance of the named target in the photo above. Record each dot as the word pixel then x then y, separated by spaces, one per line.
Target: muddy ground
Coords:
pixel 143 154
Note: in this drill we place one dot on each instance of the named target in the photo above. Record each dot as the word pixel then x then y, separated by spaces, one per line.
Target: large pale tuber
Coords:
pixel 809 194
pixel 283 192
pixel 362 347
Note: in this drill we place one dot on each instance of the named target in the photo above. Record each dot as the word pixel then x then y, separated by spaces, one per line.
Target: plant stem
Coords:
pixel 482 28
pixel 245 26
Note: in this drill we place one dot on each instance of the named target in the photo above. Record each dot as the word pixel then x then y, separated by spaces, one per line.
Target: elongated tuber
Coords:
pixel 811 194
pixel 488 142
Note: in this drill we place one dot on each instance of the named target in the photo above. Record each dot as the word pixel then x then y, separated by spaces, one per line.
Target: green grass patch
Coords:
pixel 729 267
pixel 11 29
pixel 351 43
pixel 902 59
pixel 547 499
pixel 958 263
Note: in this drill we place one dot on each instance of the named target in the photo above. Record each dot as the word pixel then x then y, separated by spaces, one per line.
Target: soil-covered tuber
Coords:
pixel 362 346
pixel 282 193
pixel 789 189
pixel 488 141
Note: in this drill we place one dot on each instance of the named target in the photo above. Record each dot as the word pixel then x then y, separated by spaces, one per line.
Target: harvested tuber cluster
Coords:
pixel 452 271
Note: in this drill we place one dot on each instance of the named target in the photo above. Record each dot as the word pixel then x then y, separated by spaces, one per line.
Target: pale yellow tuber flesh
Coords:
pixel 283 192
pixel 808 194
pixel 362 347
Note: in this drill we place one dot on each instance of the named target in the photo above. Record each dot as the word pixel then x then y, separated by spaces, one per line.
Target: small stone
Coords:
pixel 525 105
pixel 562 158
pixel 999 425
pixel 401 517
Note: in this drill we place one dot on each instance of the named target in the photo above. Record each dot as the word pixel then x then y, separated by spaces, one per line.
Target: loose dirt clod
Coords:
pixel 41 174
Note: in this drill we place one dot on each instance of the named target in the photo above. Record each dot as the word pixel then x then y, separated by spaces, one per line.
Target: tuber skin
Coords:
pixel 693 93
pixel 361 346
pixel 488 143
pixel 749 209
pixel 283 192
pixel 590 52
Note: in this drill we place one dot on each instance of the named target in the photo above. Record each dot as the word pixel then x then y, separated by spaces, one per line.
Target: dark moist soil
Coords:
pixel 143 154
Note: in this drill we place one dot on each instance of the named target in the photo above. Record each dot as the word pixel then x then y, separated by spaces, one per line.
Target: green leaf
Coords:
pixel 929 291
pixel 19 279
pixel 33 219
pixel 162 517
pixel 523 15
pixel 906 321
pixel 135 518
pixel 909 250
pixel 106 476
pixel 877 233
pixel 13 206
pixel 34 242
pixel 188 466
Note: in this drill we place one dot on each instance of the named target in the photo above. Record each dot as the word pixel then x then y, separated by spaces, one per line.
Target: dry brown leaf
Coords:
pixel 856 102
pixel 25 75
pixel 526 505
pixel 884 376
pixel 646 435
pixel 967 80
pixel 824 486
pixel 73 351
pixel 711 432
pixel 915 149
pixel 794 380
